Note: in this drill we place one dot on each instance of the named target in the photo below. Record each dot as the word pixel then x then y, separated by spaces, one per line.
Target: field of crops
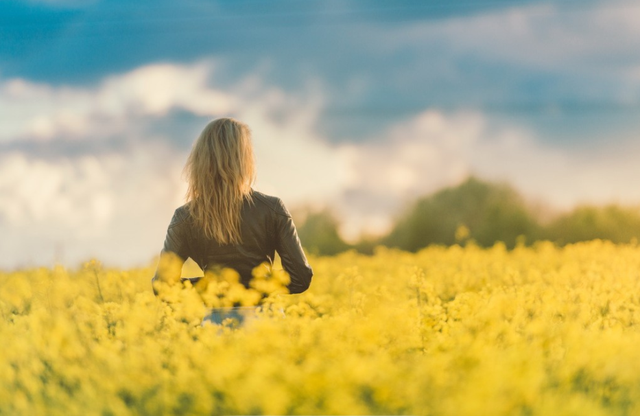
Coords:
pixel 446 331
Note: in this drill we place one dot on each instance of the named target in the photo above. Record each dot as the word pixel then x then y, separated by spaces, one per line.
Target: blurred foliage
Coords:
pixel 480 212
pixel 613 223
pixel 319 232
pixel 475 210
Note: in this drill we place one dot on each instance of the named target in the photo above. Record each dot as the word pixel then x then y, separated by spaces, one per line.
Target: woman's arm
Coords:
pixel 290 250
pixel 173 254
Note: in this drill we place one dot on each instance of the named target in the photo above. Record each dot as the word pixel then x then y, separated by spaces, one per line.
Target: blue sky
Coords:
pixel 357 105
pixel 363 47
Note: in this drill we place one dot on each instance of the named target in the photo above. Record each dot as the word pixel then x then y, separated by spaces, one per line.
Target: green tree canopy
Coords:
pixel 614 223
pixel 488 212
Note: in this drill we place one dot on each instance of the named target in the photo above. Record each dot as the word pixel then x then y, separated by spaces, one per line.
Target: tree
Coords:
pixel 487 213
pixel 614 223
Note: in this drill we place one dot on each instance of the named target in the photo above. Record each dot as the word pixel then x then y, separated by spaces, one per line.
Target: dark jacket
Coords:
pixel 266 227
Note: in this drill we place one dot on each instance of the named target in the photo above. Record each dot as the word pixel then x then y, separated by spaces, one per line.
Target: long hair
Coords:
pixel 220 171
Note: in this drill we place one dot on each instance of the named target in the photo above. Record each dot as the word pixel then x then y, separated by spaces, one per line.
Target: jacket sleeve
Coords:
pixel 174 252
pixel 289 248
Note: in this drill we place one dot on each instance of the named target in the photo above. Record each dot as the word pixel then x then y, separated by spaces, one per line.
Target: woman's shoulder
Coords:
pixel 270 202
pixel 180 215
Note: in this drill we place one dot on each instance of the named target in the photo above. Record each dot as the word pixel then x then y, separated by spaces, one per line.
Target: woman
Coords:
pixel 225 223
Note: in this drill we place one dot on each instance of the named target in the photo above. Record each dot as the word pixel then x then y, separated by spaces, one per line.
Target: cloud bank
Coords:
pixel 115 204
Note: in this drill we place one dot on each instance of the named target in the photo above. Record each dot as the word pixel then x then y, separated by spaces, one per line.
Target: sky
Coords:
pixel 359 106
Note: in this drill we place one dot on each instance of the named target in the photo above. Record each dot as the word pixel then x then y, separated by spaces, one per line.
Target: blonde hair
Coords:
pixel 220 171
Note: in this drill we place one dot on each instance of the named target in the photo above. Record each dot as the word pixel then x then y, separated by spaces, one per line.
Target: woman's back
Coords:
pixel 266 227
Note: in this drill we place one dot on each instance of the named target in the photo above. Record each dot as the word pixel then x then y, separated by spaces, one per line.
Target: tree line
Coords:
pixel 479 211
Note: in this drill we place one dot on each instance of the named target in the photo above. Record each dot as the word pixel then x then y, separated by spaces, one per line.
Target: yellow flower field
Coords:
pixel 446 331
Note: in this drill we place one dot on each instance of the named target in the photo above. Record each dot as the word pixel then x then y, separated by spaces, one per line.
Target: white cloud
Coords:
pixel 411 159
pixel 546 35
pixel 557 176
pixel 38 111
pixel 293 161
pixel 112 206
pixel 545 51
